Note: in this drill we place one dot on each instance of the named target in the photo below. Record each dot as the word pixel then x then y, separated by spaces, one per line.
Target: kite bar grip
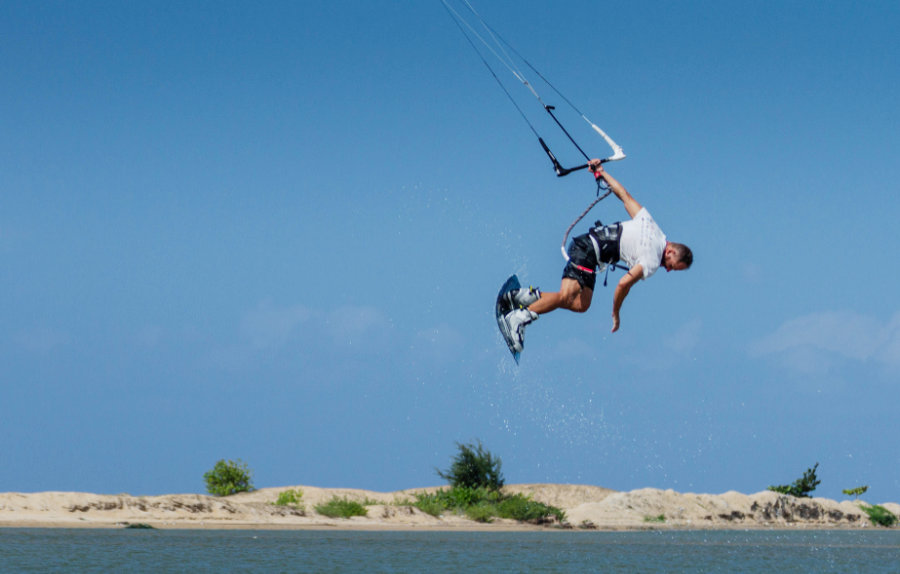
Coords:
pixel 615 157
pixel 567 171
pixel 563 171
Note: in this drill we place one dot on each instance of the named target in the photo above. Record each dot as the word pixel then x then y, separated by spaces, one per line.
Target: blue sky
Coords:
pixel 275 232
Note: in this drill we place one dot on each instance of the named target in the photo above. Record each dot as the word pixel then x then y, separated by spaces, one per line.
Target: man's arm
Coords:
pixel 622 288
pixel 631 205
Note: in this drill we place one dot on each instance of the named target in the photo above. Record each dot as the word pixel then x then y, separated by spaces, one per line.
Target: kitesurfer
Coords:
pixel 639 243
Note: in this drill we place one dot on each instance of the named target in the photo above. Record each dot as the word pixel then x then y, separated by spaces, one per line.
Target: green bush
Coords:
pixel 341 508
pixel 475 482
pixel 482 504
pixel 481 512
pixel 228 478
pixel 465 496
pixel 802 486
pixel 429 504
pixel 456 499
pixel 291 497
pixel 524 509
pixel 879 515
pixel 857 492
pixel 474 467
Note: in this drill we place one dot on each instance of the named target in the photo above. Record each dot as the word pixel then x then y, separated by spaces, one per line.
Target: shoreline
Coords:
pixel 587 508
pixel 470 526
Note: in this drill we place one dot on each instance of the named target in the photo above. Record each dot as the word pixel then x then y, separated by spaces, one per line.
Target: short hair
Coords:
pixel 684 254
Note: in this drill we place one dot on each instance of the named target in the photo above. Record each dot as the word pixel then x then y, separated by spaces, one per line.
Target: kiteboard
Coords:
pixel 501 309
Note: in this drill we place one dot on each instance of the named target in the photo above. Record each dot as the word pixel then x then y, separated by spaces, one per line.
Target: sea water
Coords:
pixel 82 550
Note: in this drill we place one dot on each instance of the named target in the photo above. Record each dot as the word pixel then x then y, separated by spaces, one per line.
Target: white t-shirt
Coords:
pixel 642 243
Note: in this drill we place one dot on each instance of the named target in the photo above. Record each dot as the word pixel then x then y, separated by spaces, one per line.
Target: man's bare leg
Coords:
pixel 571 296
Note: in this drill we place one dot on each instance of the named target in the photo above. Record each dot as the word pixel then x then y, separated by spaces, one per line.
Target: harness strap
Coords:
pixel 606 267
pixel 582 268
pixel 596 247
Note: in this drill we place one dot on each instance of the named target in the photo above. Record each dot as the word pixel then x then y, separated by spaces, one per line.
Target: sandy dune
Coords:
pixel 585 507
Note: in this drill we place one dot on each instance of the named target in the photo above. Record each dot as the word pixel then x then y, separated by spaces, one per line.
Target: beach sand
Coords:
pixel 586 507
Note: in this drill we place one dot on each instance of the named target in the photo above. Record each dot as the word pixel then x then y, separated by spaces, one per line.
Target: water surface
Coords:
pixel 95 550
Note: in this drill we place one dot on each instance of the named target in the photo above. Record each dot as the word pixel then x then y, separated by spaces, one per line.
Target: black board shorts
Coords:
pixel 581 258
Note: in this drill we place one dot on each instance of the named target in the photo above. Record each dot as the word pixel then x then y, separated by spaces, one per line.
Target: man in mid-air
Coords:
pixel 639 243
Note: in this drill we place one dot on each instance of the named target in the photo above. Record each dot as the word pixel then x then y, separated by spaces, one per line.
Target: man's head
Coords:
pixel 677 257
